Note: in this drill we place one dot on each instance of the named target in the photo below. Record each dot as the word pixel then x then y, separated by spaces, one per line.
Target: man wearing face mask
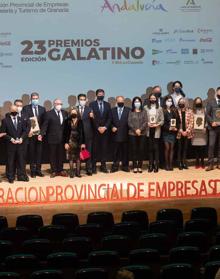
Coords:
pixel 87 119
pixel 213 119
pixel 177 92
pixel 101 122
pixel 120 135
pixel 35 141
pixel 53 129
pixel 16 132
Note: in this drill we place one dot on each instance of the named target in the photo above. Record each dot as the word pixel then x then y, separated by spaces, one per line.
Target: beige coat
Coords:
pixel 159 120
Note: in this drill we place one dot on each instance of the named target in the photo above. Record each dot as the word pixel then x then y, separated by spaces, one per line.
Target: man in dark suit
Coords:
pixel 102 122
pixel 213 119
pixel 120 135
pixel 35 144
pixel 53 128
pixel 87 120
pixel 16 132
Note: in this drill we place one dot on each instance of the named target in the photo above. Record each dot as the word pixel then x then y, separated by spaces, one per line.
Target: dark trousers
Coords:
pixel 137 150
pixel 100 148
pixel 199 153
pixel 182 143
pixel 15 161
pixel 120 153
pixel 153 148
pixel 35 154
pixel 56 155
pixel 214 139
pixel 88 143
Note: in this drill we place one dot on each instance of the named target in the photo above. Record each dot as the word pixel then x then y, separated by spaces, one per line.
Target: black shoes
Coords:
pixel 39 173
pixel 89 172
pixel 33 174
pixel 156 168
pixel 103 169
pixel 11 180
pixel 150 168
pixel 23 178
pixel 125 169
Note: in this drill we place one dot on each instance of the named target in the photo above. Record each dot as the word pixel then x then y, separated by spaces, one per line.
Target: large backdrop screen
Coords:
pixel 62 48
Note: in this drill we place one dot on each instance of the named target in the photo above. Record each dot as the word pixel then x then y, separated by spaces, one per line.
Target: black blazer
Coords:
pixel 79 129
pixel 210 110
pixel 52 128
pixel 167 117
pixel 121 135
pixel 41 113
pixel 8 128
pixel 101 120
pixel 87 123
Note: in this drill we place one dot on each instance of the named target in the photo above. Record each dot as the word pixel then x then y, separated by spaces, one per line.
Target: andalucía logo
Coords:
pixel 118 6
pixel 191 6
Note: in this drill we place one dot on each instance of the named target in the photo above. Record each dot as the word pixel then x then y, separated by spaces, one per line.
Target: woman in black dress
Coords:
pixel 74 141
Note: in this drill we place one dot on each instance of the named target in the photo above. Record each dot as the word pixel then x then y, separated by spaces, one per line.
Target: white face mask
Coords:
pixel 19 109
pixel 82 103
pixel 137 105
pixel 58 107
pixel 168 104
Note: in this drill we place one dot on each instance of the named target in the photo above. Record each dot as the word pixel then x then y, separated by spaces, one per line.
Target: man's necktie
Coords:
pixel 101 108
pixel 120 113
pixel 15 123
pixel 35 111
pixel 81 111
pixel 58 113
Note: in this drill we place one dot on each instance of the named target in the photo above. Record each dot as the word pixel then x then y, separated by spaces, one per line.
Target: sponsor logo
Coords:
pixel 156 51
pixel 156 41
pixel 171 51
pixel 184 51
pixel 182 40
pixel 5 43
pixel 206 40
pixel 176 62
pixel 155 62
pixel 206 50
pixel 204 30
pixel 132 6
pixel 183 31
pixel 204 61
pixel 191 62
pixel 161 32
pixel 191 6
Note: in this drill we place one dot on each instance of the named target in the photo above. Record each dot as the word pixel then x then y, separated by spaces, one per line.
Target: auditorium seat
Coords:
pixel 105 219
pixel 54 233
pixel 3 222
pixel 38 247
pixel 31 222
pixel 198 225
pixel 104 259
pixel 211 269
pixel 89 273
pixel 157 241
pixel 139 271
pixel 196 239
pixel 214 253
pixel 9 275
pixel 94 231
pixel 80 245
pixel 16 235
pixel 185 254
pixel 177 271
pixel 209 213
pixel 138 216
pixel 131 229
pixel 47 274
pixel 69 220
pixel 119 243
pixel 144 256
pixel 171 214
pixel 6 249
pixel 62 260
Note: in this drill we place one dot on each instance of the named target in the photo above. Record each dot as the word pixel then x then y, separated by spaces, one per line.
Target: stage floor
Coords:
pixel 115 192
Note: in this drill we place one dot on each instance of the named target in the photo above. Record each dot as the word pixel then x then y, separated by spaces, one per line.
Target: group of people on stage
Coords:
pixel 162 120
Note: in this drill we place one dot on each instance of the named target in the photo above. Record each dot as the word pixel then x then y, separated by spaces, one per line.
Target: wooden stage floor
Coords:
pixel 115 192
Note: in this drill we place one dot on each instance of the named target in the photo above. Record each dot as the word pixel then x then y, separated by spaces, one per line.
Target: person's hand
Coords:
pixel 20 141
pixel 13 141
pixel 39 138
pixel 2 135
pixel 83 146
pixel 66 146
pixel 138 132
pixel 114 129
pixel 91 114
pixel 102 130
pixel 214 124
pixel 184 133
pixel 30 134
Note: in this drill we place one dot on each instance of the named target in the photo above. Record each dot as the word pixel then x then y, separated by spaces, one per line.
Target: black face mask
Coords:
pixel 14 113
pixel 158 94
pixel 178 90
pixel 181 106
pixel 73 115
pixel 199 105
pixel 152 102
pixel 120 104
pixel 100 98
